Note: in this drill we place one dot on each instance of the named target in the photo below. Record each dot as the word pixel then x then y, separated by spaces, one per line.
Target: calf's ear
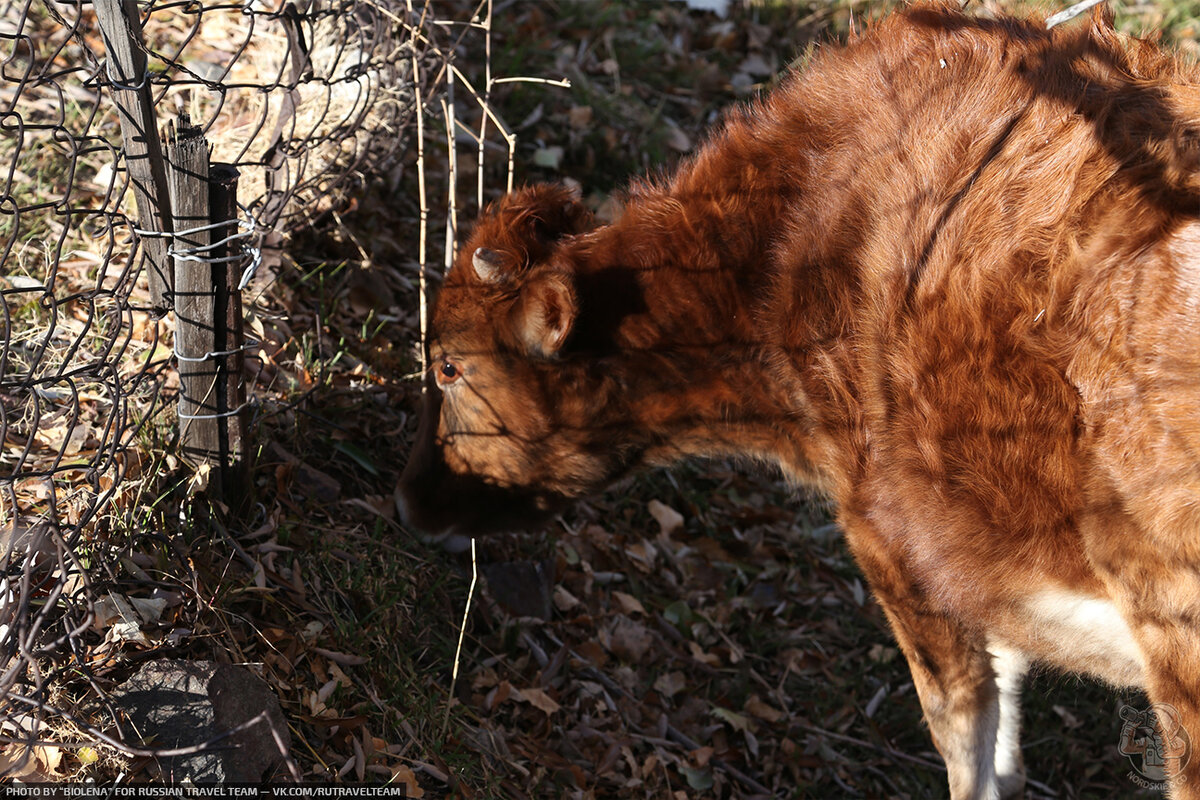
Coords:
pixel 486 264
pixel 545 312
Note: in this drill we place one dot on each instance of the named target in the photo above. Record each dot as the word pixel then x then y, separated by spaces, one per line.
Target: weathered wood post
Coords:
pixel 208 313
pixel 121 28
pixel 187 153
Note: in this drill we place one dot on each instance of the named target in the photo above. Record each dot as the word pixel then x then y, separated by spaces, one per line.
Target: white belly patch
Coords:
pixel 1082 633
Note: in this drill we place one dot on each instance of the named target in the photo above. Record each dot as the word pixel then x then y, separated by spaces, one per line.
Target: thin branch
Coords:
pixel 1071 12
pixel 561 82
pixel 487 101
pixel 452 177
pixel 423 228
pixel 462 629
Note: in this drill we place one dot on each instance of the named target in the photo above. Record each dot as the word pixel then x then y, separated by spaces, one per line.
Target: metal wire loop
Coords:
pixel 116 83
pixel 251 344
pixel 222 415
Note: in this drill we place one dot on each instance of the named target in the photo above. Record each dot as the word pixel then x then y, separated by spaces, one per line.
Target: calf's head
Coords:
pixel 513 421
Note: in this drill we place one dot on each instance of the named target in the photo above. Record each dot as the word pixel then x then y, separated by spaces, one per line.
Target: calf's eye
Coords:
pixel 448 373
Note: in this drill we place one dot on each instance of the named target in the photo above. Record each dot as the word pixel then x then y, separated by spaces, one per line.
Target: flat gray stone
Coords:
pixel 173 704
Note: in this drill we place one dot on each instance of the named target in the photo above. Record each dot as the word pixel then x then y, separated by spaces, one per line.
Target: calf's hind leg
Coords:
pixel 1156 582
pixel 1168 633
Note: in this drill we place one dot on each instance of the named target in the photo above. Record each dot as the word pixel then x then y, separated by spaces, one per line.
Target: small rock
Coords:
pixel 522 588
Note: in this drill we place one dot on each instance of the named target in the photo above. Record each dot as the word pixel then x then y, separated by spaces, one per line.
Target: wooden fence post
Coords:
pixel 208 313
pixel 195 331
pixel 121 28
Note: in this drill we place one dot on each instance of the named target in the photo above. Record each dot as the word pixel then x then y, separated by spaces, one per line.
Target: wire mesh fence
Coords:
pixel 307 101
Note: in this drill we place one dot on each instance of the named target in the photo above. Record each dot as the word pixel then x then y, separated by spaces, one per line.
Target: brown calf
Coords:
pixel 948 276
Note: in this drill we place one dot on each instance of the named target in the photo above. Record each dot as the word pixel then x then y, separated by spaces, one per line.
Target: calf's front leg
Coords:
pixel 968 691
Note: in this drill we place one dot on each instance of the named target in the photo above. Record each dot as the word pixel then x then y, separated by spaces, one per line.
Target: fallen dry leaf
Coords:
pixel 18 763
pixel 198 483
pixel 49 757
pixel 405 777
pixel 761 710
pixel 643 554
pixel 116 617
pixel 630 641
pixel 670 684
pixel 564 600
pixel 669 520
pixel 628 603
pixel 539 699
pixel 700 655
pixel 738 721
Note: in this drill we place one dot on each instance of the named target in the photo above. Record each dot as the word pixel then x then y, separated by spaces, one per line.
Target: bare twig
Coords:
pixel 462 629
pixel 487 101
pixel 1070 12
pixel 423 230
pixel 452 176
pixel 561 82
